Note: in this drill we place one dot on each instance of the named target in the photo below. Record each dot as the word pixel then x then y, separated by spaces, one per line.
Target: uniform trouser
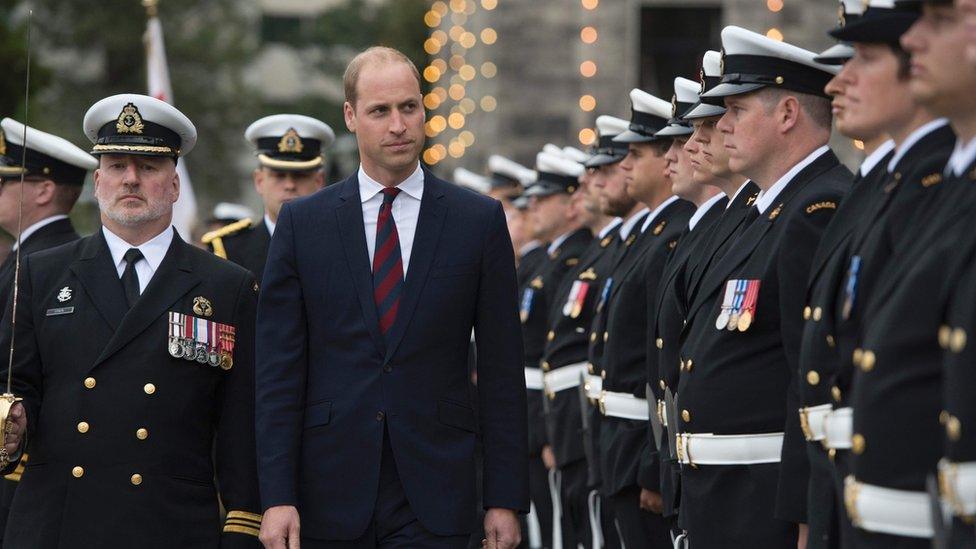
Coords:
pixel 961 535
pixel 7 488
pixel 871 540
pixel 839 472
pixel 573 496
pixel 541 499
pixel 638 528
pixel 393 526
pixel 823 509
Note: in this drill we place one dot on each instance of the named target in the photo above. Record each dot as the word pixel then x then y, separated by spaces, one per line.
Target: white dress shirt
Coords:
pixel 737 193
pixel 614 223
pixel 962 156
pixel 766 198
pixel 703 209
pixel 876 156
pixel 153 252
pixel 558 241
pixel 914 138
pixel 528 247
pixel 628 225
pixel 25 234
pixel 269 224
pixel 406 210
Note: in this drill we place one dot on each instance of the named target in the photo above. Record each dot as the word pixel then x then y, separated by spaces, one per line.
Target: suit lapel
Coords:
pixel 352 234
pixel 171 281
pixel 100 279
pixel 429 225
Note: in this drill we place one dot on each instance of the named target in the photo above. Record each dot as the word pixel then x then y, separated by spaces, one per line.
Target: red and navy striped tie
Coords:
pixel 387 263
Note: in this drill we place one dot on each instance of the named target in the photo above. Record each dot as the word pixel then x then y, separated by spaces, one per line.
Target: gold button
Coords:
pixel 806 313
pixel 958 340
pixel 686 415
pixel 83 427
pixel 663 385
pixel 551 336
pixel 78 471
pixel 603 374
pixel 858 353
pixel 149 388
pixel 857 444
pixel 689 364
pixel 779 80
pixel 592 337
pixel 953 428
pixel 606 336
pixel 813 377
pixel 835 392
pixel 142 433
pixel 590 368
pixel 817 314
pixel 897 176
pixel 832 453
pixel 945 334
pixel 943 417
pixel 867 361
pixel 659 342
pixel 89 383
pixel 545 366
pixel 136 479
pixel 830 341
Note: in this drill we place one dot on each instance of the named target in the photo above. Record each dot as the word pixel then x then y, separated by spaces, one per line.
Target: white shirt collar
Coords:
pixel 962 156
pixel 628 225
pixel 558 241
pixel 876 156
pixel 412 186
pixel 660 208
pixel 269 224
pixel 614 223
pixel 767 197
pixel 26 233
pixel 703 209
pixel 153 250
pixel 528 247
pixel 914 138
pixel 737 193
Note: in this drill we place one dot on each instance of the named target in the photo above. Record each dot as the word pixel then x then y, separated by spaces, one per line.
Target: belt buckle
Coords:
pixel 805 423
pixel 680 447
pixel 852 489
pixel 947 487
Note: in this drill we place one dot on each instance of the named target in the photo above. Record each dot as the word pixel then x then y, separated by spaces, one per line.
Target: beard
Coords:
pixel 619 206
pixel 156 208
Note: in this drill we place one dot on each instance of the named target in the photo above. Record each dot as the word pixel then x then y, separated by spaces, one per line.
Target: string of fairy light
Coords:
pixel 588 36
pixel 449 71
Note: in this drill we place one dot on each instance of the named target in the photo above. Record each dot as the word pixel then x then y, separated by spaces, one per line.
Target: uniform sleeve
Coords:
pixel 501 379
pixel 795 258
pixel 281 364
pixel 236 453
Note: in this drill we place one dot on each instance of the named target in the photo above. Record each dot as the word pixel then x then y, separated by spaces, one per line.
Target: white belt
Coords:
pixel 708 449
pixel 593 385
pixel 563 378
pixel 957 482
pixel 886 510
pixel 812 421
pixel 838 429
pixel 623 405
pixel 533 378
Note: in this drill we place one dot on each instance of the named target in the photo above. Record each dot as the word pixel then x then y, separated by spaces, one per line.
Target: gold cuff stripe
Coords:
pixel 244 523
pixel 244 515
pixel 241 530
pixel 290 165
pixel 135 148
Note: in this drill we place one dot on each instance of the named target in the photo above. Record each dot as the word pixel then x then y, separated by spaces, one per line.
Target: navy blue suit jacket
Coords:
pixel 328 381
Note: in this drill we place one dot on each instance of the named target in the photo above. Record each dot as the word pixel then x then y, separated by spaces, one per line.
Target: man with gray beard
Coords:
pixel 134 357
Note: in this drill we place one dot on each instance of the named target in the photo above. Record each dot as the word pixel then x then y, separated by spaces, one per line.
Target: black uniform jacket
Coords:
pixel 243 242
pixel 124 439
pixel 626 455
pixel 740 382
pixel 529 266
pixel 570 315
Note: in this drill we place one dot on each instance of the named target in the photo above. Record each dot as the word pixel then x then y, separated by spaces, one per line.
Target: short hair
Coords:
pixel 816 107
pixel 904 60
pixel 375 55
pixel 65 196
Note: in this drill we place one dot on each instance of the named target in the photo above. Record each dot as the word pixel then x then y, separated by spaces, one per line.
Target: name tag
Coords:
pixel 60 311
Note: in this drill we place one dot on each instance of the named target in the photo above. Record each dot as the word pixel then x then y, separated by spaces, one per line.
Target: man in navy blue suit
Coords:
pixel 366 425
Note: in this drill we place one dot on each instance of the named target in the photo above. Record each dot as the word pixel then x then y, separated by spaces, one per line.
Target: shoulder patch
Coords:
pixel 932 179
pixel 823 205
pixel 226 230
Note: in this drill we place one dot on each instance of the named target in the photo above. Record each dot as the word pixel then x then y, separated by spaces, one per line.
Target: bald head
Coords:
pixel 374 56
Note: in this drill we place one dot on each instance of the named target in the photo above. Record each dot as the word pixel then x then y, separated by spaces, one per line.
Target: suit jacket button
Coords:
pixel 380 416
pixel 136 479
pixel 78 471
pixel 686 415
pixel 813 377
pixel 806 313
pixel 387 368
pixel 83 427
pixel 89 383
pixel 659 342
pixel 817 314
pixel 867 361
pixel 857 444
pixel 835 392
pixel 142 433
pixel 149 388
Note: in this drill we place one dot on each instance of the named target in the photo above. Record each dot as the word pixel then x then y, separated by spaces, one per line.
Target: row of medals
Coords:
pixel 188 349
pixel 733 321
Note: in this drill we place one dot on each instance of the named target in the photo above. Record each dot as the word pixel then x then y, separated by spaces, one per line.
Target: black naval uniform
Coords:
pixel 50 235
pixel 737 382
pixel 896 390
pixel 243 242
pixel 529 266
pixel 121 434
pixel 670 306
pixel 569 319
pixel 818 351
pixel 628 459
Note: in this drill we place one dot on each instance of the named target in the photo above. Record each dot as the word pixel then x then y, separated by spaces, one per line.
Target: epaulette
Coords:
pixel 822 205
pixel 215 238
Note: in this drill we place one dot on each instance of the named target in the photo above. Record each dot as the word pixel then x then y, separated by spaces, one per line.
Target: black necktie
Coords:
pixel 130 280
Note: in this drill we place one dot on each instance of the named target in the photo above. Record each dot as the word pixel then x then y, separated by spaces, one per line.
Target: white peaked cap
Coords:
pixel 557 164
pixel 509 168
pixel 575 154
pixel 46 144
pixel 277 125
pixel 470 180
pixel 110 110
pixel 611 125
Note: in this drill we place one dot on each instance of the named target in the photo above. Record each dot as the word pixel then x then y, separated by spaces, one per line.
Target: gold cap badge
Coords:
pixel 130 121
pixel 291 142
